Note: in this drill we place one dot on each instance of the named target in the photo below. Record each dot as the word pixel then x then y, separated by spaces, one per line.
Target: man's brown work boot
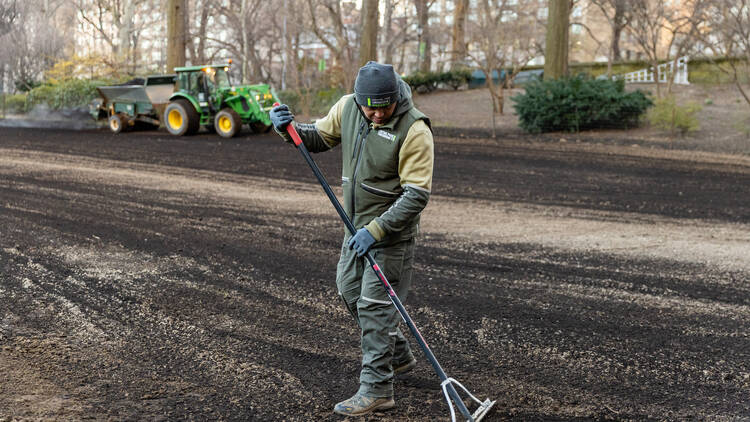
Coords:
pixel 404 367
pixel 361 404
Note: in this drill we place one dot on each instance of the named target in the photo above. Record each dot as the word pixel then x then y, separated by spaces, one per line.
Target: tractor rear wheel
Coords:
pixel 116 123
pixel 180 118
pixel 227 123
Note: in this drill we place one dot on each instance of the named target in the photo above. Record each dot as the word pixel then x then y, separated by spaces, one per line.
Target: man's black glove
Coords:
pixel 281 117
pixel 361 242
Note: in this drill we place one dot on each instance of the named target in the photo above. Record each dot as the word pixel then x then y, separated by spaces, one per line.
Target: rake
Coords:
pixel 447 384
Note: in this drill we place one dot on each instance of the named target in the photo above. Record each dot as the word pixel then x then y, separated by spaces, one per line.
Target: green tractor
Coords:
pixel 205 97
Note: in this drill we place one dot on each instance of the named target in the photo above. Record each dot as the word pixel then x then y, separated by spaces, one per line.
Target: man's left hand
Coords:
pixel 361 242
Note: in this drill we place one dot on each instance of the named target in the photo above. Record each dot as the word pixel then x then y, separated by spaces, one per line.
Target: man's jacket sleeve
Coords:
pixel 415 171
pixel 322 135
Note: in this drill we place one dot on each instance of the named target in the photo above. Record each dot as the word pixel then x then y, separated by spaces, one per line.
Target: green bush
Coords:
pixel 64 94
pixel 422 81
pixel 15 103
pixel 574 104
pixel 429 81
pixel 456 78
pixel 667 114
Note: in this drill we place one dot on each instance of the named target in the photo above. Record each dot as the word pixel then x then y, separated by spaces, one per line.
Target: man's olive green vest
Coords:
pixel 370 166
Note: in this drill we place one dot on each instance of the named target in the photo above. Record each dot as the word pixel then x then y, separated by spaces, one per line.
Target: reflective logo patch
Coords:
pixel 378 102
pixel 387 135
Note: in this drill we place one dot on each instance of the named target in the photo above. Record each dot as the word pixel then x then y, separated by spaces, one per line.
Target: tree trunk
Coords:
pixel 176 33
pixel 655 64
pixel 200 56
pixel 244 47
pixel 386 44
pixel 616 33
pixel 368 47
pixel 423 32
pixel 125 31
pixel 556 50
pixel 614 45
pixel 458 50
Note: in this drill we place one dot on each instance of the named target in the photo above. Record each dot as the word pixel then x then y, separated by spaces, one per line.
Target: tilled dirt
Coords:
pixel 147 277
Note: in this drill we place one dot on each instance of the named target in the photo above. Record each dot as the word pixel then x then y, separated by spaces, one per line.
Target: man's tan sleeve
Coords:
pixel 416 157
pixel 329 126
pixel 415 171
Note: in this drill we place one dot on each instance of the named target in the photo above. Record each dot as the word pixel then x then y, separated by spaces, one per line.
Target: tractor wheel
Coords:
pixel 180 118
pixel 259 127
pixel 227 123
pixel 116 123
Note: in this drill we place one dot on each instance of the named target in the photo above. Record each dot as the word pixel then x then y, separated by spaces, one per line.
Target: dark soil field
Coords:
pixel 148 277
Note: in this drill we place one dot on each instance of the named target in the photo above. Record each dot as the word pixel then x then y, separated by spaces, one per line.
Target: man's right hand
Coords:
pixel 281 117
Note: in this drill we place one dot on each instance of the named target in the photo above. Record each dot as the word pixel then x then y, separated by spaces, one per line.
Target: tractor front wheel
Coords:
pixel 117 123
pixel 180 118
pixel 227 123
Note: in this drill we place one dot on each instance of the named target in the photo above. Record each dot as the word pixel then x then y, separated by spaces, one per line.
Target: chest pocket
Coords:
pixel 381 155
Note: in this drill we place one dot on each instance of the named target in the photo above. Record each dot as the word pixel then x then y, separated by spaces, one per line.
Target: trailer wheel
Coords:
pixel 180 118
pixel 227 123
pixel 117 123
pixel 259 127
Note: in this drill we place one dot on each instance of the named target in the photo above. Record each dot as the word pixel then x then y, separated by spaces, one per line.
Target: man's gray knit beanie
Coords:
pixel 376 85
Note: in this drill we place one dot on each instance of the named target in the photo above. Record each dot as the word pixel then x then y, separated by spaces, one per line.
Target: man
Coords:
pixel 387 176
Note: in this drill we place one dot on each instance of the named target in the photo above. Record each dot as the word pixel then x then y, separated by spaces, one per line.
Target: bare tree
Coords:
pixel 424 41
pixel 8 14
pixel 458 47
pixel 197 44
pixel 396 32
pixel 119 24
pixel 728 36
pixel 556 46
pixel 498 46
pixel 617 13
pixel 368 46
pixel 32 45
pixel 177 31
pixel 327 23
pixel 665 30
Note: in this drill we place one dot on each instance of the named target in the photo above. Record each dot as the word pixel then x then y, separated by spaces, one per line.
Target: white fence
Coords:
pixel 645 76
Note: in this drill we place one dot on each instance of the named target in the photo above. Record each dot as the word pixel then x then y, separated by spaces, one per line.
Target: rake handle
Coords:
pixel 391 293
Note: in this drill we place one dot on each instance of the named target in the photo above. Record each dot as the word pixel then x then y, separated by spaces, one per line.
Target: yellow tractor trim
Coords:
pixel 225 124
pixel 175 119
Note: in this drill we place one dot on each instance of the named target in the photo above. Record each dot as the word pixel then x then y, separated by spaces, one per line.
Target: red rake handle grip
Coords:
pixel 292 131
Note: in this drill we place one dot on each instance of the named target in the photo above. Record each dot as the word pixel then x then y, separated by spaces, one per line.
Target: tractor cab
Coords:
pixel 203 83
pixel 205 97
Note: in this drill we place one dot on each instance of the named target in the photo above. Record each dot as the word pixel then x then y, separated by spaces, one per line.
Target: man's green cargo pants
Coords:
pixel 383 344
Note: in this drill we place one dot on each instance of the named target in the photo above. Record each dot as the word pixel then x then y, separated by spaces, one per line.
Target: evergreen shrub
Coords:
pixel 429 81
pixel 15 103
pixel 578 103
pixel 668 115
pixel 69 93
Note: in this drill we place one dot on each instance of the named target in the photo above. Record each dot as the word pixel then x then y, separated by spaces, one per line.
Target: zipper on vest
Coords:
pixel 356 142
pixel 356 165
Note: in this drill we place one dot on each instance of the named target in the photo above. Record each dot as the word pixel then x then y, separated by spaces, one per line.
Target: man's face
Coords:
pixel 379 115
